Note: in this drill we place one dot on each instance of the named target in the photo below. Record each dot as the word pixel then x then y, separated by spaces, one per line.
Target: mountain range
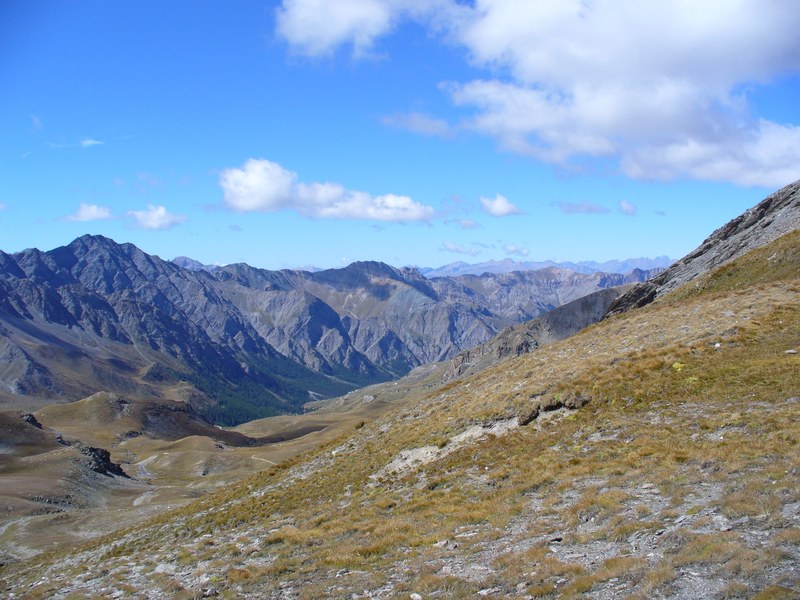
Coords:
pixel 509 265
pixel 506 265
pixel 96 315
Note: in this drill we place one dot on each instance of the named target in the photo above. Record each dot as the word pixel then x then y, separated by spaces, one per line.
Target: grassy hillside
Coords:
pixel 655 454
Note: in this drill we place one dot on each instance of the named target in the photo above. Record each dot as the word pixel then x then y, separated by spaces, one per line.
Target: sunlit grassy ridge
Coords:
pixel 679 475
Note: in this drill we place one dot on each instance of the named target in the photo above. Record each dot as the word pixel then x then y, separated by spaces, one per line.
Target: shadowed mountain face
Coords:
pixel 241 342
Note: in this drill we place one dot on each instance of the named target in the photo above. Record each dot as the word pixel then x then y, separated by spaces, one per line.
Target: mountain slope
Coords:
pixel 652 455
pixel 776 215
pixel 96 315
pixel 380 322
pixel 558 324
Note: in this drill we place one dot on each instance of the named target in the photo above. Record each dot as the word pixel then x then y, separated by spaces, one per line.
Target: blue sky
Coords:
pixel 305 132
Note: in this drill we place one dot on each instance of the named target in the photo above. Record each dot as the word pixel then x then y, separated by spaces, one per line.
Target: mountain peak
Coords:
pixel 91 242
pixel 193 265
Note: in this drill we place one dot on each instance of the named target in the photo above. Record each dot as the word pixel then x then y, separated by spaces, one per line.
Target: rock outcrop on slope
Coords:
pixel 773 217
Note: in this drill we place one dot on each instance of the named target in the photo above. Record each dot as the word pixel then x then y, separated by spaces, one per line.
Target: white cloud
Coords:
pixel 459 249
pixel 314 28
pixel 259 185
pixel 318 27
pixel 586 208
pixel 499 206
pixel 262 185
pixel 90 212
pixel 769 157
pixel 155 217
pixel 513 250
pixel 654 84
pixel 660 86
pixel 88 143
pixel 627 208
pixel 420 123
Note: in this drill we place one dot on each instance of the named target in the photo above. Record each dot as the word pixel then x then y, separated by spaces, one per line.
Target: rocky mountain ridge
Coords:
pixel 96 315
pixel 773 217
pixel 558 324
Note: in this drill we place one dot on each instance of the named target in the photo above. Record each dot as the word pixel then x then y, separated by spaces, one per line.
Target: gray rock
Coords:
pixel 773 217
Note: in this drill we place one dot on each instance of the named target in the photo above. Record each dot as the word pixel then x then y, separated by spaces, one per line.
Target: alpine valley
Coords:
pixel 172 430
pixel 100 316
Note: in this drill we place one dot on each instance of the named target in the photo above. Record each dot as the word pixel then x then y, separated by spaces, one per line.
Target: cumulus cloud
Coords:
pixel 656 85
pixel 499 206
pixel 586 208
pixel 513 250
pixel 312 28
pixel 155 218
pixel 263 185
pixel 459 249
pixel 627 208
pixel 89 142
pixel 768 157
pixel 316 27
pixel 659 86
pixel 90 212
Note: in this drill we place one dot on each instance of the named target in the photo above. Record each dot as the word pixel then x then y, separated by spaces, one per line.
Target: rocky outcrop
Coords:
pixel 98 460
pixel 773 217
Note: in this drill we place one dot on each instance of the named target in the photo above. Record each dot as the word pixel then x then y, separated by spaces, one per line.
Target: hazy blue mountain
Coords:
pixel 509 265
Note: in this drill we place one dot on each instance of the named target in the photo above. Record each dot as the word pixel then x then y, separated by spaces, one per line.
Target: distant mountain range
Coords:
pixel 239 342
pixel 509 265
